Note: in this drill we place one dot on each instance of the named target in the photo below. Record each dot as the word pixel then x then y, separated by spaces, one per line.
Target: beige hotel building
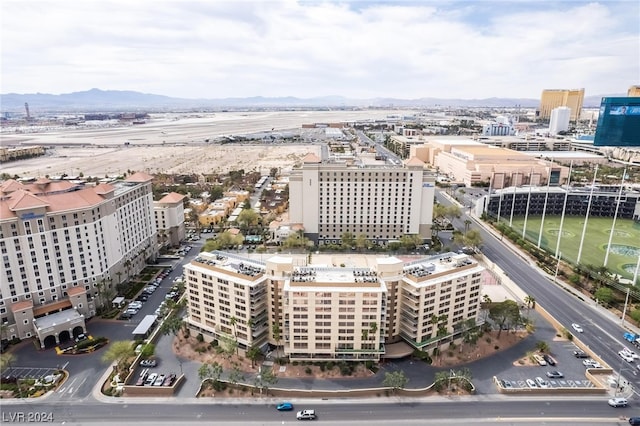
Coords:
pixel 381 201
pixel 384 307
pixel 65 246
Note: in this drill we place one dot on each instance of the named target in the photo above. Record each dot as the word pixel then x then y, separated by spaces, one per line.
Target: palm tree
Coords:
pixel 233 321
pixel 467 222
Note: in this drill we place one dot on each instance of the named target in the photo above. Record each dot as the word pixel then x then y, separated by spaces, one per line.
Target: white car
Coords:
pixel 630 353
pixel 589 363
pixel 624 355
pixel 577 327
pixel 531 383
pixel 542 382
pixel 618 402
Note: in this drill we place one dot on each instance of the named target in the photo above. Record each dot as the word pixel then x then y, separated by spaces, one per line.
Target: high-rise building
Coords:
pixel 634 91
pixel 381 202
pixel 65 246
pixel 553 98
pixel 323 312
pixel 559 121
pixel 618 122
pixel 169 218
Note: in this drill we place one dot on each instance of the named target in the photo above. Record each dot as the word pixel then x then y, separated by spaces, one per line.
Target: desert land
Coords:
pixel 175 143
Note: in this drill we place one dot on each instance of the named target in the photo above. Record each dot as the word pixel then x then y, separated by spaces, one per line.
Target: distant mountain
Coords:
pixel 96 100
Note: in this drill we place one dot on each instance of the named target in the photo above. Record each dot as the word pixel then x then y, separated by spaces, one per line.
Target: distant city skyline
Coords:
pixel 356 49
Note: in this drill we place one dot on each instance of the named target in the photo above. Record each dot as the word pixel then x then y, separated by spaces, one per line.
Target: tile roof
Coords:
pixel 139 177
pixel 172 197
pixel 21 306
pixel 311 158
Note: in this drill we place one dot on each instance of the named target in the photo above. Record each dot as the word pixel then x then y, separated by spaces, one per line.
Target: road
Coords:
pixel 532 411
pixel 601 334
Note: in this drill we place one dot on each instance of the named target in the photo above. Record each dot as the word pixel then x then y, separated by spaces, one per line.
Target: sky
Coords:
pixel 356 49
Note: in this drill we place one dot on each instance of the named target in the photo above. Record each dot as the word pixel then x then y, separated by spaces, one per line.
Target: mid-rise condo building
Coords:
pixel 326 312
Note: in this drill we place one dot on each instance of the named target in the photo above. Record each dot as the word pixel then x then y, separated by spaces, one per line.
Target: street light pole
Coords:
pixel 626 302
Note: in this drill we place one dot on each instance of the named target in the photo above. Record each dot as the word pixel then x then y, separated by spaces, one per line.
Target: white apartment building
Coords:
pixel 169 218
pixel 322 312
pixel 329 198
pixel 559 121
pixel 65 246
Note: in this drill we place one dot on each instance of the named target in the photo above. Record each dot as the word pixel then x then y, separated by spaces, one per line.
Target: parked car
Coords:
pixel 577 327
pixel 148 363
pixel 168 381
pixel 580 354
pixel 284 406
pixel 135 305
pixel 142 378
pixel 634 420
pixel 549 359
pixel 539 359
pixel 589 363
pixel 542 382
pixel 81 337
pixel 131 312
pixel 531 383
pixel 306 415
pixel 151 379
pixel 555 374
pixel 159 380
pixel 618 402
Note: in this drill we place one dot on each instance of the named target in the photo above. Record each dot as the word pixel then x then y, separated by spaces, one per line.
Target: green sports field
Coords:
pixel 625 245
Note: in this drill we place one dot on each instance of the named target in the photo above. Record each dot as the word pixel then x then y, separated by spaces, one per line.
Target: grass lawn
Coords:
pixel 625 245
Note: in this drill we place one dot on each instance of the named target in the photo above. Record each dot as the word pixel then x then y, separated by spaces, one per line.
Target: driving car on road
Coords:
pixel 306 415
pixel 624 355
pixel 284 406
pixel 618 402
pixel 555 374
pixel 577 327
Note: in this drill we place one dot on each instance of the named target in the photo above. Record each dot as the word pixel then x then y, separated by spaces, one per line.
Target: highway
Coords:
pixel 512 411
pixel 601 334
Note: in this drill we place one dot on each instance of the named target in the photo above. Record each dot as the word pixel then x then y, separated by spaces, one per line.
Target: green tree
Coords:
pixel 229 345
pixel 604 295
pixel 210 371
pixel 7 360
pixel 395 380
pixel 119 352
pixel 410 241
pixel 361 241
pixel 275 332
pixel 248 219
pixel 505 313
pixel 265 379
pixel 235 375
pixel 253 353
pixel 172 325
pixel 348 239
pixel 148 350
pixel 542 346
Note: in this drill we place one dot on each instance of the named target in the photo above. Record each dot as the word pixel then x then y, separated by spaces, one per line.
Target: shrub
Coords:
pixel 308 370
pixel 323 366
pixel 488 340
pixel 214 344
pixel 200 338
pixel 294 363
pixel 330 365
pixel 496 347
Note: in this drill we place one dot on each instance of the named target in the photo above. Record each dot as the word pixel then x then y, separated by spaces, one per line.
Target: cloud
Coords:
pixel 219 49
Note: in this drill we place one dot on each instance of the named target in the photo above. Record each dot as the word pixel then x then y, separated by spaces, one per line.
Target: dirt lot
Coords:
pixel 486 346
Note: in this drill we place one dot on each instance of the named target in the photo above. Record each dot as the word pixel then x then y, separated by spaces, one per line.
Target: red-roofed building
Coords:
pixel 66 245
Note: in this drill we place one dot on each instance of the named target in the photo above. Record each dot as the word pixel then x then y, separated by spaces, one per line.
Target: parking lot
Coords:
pixel 572 369
pixel 28 372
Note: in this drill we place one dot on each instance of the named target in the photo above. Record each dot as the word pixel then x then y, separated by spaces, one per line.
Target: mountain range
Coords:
pixel 96 100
